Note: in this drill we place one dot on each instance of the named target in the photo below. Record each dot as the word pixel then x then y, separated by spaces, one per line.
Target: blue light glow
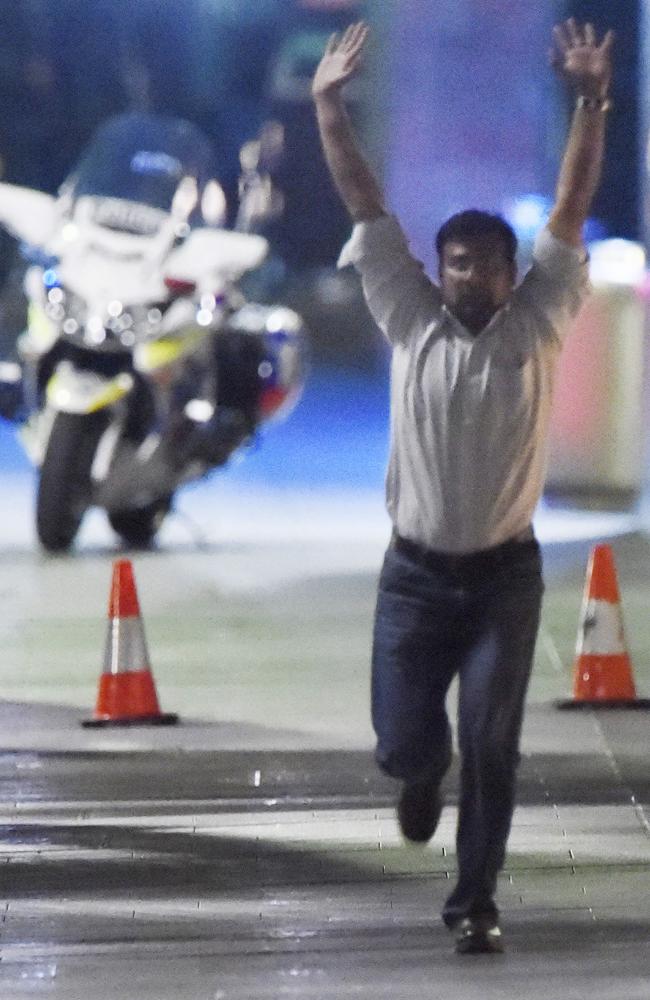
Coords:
pixel 50 278
pixel 527 214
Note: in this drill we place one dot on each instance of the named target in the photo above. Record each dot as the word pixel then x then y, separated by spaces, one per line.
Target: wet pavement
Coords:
pixel 252 851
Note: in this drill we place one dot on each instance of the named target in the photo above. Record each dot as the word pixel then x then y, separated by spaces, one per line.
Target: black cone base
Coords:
pixel 627 704
pixel 164 719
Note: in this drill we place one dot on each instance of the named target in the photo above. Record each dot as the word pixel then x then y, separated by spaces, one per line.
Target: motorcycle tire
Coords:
pixel 137 527
pixel 65 485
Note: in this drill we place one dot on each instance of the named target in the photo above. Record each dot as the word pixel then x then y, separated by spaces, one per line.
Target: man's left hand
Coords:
pixel 580 60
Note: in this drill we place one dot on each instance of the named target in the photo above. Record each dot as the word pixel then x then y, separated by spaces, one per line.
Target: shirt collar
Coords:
pixel 502 311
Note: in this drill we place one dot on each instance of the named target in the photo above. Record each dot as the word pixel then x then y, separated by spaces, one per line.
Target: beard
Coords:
pixel 474 309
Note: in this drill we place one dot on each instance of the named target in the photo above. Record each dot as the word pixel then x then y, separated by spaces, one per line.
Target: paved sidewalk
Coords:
pixel 268 875
pixel 252 852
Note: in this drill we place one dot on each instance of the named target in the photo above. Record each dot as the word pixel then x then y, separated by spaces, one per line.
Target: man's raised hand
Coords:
pixel 580 61
pixel 341 59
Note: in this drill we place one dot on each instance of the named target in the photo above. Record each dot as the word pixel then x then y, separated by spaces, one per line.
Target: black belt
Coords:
pixel 482 560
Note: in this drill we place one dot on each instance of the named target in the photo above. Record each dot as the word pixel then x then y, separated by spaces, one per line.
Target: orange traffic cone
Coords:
pixel 602 672
pixel 127 695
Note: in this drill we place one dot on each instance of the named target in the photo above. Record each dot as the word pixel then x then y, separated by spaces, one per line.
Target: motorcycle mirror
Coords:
pixel 185 198
pixel 213 204
pixel 265 152
pixel 249 156
pixel 271 144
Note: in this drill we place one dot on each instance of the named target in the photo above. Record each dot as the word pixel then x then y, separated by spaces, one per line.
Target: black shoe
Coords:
pixel 418 810
pixel 479 936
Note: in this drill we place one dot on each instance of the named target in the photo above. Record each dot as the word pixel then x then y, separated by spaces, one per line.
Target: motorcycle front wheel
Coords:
pixel 65 485
pixel 137 527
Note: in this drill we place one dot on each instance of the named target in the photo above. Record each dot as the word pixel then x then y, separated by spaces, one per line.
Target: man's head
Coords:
pixel 477 268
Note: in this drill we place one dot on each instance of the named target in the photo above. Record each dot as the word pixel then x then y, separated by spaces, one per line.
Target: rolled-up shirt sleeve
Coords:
pixel 400 296
pixel 556 284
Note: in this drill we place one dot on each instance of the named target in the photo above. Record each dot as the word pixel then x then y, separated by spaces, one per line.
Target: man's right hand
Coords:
pixel 350 172
pixel 341 60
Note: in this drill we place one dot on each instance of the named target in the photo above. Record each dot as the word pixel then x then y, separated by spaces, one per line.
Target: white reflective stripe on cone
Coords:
pixel 126 647
pixel 601 629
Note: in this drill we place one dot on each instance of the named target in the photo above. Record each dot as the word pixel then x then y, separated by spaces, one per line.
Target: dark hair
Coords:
pixel 472 223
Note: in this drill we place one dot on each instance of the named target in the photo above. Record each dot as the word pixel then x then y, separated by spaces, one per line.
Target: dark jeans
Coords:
pixel 476 616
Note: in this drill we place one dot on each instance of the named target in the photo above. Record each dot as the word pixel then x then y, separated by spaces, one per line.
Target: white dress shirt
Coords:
pixel 469 414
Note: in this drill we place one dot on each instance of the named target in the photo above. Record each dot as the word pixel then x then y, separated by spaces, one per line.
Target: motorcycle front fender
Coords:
pixel 74 390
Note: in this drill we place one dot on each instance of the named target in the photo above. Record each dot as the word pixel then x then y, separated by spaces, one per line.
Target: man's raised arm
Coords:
pixel 352 175
pixel 587 67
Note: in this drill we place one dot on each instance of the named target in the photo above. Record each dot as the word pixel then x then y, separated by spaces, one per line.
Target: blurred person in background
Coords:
pixel 473 367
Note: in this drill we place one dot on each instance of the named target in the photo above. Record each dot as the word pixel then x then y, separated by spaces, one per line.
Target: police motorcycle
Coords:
pixel 142 366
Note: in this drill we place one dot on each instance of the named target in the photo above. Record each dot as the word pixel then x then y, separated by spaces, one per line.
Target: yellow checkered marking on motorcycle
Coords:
pixel 166 350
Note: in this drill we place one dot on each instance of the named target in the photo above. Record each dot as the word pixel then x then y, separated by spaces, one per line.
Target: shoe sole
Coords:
pixel 479 945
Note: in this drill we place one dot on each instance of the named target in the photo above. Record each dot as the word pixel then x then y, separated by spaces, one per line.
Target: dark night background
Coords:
pixel 459 106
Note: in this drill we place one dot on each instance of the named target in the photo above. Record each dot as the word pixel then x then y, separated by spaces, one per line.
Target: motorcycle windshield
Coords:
pixel 142 159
